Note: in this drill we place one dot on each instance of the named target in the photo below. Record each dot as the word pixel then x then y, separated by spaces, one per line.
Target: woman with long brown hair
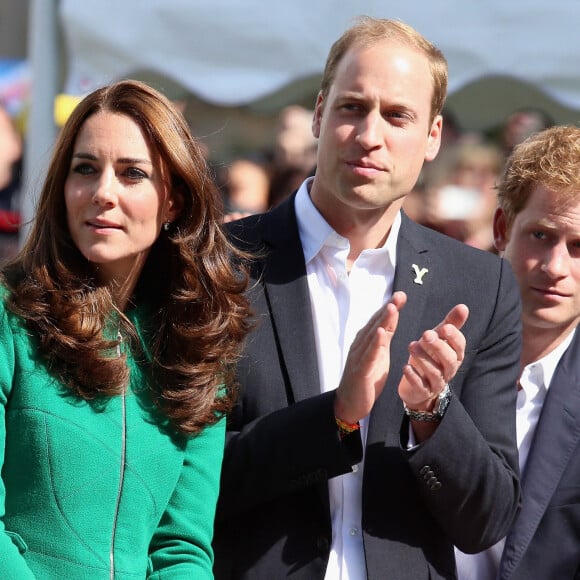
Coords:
pixel 120 321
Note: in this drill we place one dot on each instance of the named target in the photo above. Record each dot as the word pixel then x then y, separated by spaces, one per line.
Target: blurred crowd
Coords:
pixel 260 180
pixel 455 194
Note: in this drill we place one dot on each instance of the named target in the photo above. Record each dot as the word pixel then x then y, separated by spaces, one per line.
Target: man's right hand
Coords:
pixel 368 362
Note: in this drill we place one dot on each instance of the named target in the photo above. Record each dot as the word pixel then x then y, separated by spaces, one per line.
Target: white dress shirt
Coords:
pixel 342 303
pixel 534 381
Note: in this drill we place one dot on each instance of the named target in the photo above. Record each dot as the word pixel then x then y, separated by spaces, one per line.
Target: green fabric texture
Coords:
pixel 62 477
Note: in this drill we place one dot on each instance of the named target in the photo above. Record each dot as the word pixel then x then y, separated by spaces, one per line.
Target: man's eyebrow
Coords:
pixel 546 223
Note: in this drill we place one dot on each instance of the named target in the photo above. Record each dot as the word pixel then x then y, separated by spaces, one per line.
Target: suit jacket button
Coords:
pixel 322 544
pixel 428 475
pixel 424 469
pixel 434 483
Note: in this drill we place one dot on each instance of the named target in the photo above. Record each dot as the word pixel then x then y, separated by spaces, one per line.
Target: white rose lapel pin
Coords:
pixel 419 274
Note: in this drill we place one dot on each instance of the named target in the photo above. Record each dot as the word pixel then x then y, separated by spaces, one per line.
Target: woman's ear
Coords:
pixel 174 205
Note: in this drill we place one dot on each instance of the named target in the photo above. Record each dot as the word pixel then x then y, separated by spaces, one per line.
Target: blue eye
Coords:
pixel 135 174
pixel 351 107
pixel 83 169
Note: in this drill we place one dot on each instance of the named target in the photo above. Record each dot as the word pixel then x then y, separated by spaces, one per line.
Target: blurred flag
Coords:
pixel 15 80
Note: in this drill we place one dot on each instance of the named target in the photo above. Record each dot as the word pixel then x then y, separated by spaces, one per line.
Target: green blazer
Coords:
pixel 88 488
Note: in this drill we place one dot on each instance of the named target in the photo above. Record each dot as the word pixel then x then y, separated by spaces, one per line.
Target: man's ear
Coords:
pixel 317 119
pixel 500 230
pixel 434 138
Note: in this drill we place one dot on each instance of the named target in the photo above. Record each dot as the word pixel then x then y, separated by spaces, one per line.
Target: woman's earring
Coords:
pixel 166 226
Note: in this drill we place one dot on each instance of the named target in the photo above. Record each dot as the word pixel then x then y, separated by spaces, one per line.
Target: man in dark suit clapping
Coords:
pixel 375 424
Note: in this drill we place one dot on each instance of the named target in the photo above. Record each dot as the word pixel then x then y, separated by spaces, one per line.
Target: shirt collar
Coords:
pixel 315 232
pixel 540 372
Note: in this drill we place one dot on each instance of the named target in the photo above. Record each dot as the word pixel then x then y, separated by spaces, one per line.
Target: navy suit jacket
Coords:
pixel 544 542
pixel 460 487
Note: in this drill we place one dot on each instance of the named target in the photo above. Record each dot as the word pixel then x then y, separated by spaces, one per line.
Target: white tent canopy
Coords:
pixel 231 52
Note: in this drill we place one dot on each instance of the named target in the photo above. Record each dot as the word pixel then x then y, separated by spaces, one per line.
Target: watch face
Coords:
pixel 443 402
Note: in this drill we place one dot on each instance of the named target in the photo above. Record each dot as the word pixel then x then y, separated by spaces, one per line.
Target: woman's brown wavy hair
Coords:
pixel 192 284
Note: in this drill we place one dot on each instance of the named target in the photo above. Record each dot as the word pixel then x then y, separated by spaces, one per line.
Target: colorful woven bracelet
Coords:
pixel 345 428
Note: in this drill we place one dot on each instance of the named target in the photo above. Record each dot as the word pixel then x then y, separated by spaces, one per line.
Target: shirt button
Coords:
pixel 353 531
pixel 354 468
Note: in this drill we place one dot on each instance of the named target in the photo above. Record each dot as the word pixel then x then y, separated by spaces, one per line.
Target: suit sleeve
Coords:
pixel 181 547
pixel 12 564
pixel 283 452
pixel 467 473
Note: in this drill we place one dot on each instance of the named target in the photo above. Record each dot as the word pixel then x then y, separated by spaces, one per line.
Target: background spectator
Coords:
pixel 458 192
pixel 10 182
pixel 520 125
pixel 294 152
pixel 245 185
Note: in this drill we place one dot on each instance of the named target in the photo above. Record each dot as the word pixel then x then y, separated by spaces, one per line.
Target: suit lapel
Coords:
pixel 412 257
pixel 556 439
pixel 286 290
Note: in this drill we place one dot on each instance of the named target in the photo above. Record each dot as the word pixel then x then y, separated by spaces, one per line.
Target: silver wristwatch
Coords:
pixel 438 411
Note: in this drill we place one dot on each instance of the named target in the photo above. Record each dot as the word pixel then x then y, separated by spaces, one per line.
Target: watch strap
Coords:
pixel 438 411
